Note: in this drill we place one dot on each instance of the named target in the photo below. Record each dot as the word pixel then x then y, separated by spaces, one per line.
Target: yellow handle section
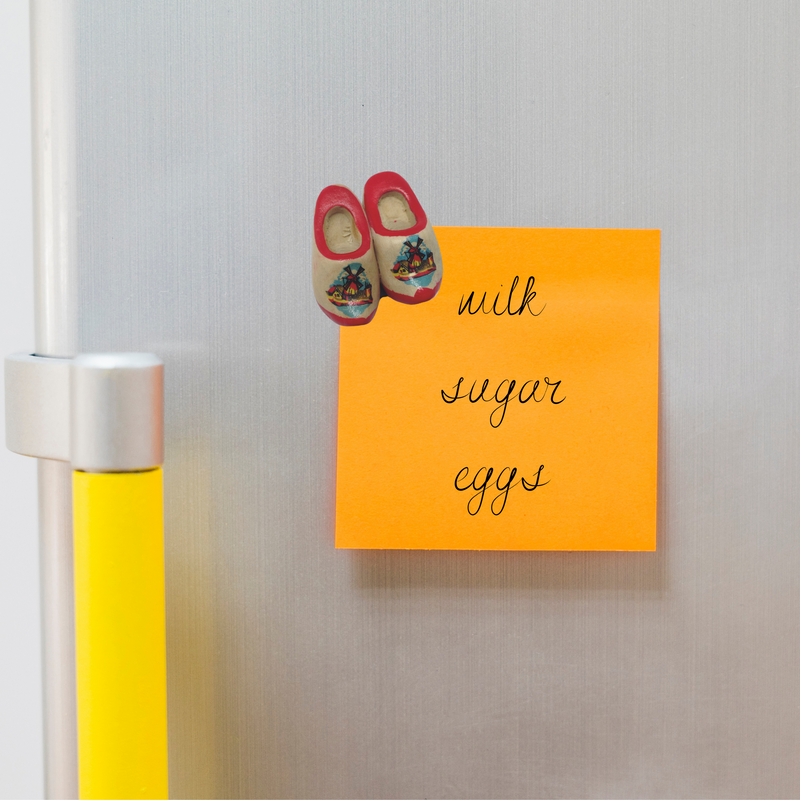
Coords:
pixel 120 634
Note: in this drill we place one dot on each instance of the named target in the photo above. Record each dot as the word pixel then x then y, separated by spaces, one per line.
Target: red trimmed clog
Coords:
pixel 405 245
pixel 344 270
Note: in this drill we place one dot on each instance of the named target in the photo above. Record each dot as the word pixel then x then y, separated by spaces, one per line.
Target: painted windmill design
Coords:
pixel 351 288
pixel 415 261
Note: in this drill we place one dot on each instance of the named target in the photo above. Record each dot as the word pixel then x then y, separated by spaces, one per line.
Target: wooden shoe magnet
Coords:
pixel 405 245
pixel 344 269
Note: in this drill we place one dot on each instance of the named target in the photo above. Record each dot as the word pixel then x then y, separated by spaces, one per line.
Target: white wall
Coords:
pixel 20 671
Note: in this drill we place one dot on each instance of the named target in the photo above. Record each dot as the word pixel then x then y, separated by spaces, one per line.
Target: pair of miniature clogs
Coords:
pixel 385 246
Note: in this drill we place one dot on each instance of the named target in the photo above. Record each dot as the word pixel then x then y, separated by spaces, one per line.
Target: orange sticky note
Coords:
pixel 563 372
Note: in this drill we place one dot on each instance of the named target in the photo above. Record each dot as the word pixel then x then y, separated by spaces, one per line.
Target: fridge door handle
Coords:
pixel 104 414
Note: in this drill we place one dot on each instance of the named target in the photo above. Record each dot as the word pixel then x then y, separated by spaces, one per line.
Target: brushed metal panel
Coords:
pixel 205 131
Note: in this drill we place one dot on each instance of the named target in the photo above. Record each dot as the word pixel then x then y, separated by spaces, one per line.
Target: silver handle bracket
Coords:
pixel 102 412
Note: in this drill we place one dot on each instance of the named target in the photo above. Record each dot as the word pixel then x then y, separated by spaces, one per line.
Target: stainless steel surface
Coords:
pixel 116 412
pixel 37 406
pixel 54 151
pixel 205 131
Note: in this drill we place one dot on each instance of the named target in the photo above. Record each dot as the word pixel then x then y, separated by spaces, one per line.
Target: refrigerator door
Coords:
pixel 198 136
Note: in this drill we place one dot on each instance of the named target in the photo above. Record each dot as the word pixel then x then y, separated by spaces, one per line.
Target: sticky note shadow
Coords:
pixel 519 570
